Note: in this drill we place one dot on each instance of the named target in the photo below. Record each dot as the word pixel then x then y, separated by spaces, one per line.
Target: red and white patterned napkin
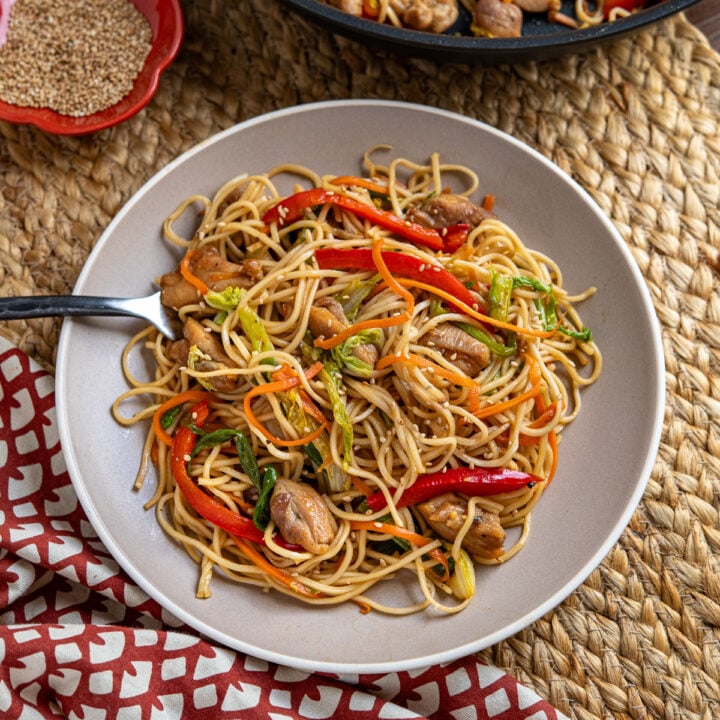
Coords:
pixel 79 640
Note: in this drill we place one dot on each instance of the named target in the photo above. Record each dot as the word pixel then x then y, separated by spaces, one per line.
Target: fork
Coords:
pixel 148 308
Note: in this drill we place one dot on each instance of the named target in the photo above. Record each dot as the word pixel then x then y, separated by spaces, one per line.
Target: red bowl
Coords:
pixel 167 25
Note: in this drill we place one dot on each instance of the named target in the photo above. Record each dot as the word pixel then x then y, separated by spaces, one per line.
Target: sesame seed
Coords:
pixel 76 57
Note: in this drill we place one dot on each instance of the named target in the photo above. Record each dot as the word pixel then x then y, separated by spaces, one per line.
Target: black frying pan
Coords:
pixel 541 39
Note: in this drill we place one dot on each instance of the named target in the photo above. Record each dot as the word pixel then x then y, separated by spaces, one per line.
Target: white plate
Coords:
pixel 606 455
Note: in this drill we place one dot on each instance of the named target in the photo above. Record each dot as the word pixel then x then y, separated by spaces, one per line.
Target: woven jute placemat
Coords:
pixel 637 123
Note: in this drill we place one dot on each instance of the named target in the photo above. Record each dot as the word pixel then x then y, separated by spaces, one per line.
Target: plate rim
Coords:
pixel 446 655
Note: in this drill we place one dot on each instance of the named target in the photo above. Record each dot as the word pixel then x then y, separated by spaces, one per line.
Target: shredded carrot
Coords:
pixel 425 363
pixel 343 335
pixel 281 386
pixel 465 381
pixel 278 574
pixel 553 442
pixel 394 285
pixel 193 279
pixel 474 400
pixel 388 529
pixel 405 534
pixel 361 486
pixel 361 182
pixel 543 419
pixel 533 391
pixel 325 464
pixel 311 408
pixel 179 399
pixel 285 372
pixel 364 607
pixel 552 438
pixel 488 202
pixel 545 416
pixel 388 277
pixel 486 319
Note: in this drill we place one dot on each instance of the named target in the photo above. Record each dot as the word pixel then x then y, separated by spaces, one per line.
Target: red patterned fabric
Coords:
pixel 79 640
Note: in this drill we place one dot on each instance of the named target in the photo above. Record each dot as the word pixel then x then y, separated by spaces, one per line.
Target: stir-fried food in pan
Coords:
pixel 488 18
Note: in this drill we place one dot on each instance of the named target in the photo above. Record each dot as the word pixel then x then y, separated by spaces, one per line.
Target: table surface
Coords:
pixel 706 16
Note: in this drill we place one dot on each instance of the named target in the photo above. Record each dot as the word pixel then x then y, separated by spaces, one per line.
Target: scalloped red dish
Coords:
pixel 167 25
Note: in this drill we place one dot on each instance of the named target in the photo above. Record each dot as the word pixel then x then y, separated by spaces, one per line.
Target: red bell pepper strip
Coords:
pixel 204 505
pixel 291 208
pixel 201 502
pixel 627 5
pixel 397 263
pixel 454 237
pixel 475 482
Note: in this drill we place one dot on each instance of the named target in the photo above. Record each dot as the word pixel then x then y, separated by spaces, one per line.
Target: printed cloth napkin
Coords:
pixel 79 640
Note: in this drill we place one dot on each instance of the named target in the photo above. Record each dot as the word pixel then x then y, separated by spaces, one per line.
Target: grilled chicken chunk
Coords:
pixel 195 334
pixel 301 515
pixel 327 318
pixel 463 350
pixel 446 513
pixel 214 270
pixel 352 7
pixel 497 18
pixel 446 209
pixel 430 15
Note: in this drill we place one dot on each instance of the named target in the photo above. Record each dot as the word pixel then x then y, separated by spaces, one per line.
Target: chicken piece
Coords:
pixel 533 6
pixel 214 270
pixel 447 513
pixel 447 209
pixel 352 7
pixel 496 18
pixel 301 515
pixel 551 7
pixel 327 318
pixel 463 350
pixel 196 334
pixel 430 15
pixel 178 351
pixel 175 291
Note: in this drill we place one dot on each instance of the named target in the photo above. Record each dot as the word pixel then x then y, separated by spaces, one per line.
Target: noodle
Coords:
pixel 257 410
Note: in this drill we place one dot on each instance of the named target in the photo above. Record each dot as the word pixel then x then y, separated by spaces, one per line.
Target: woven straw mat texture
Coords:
pixel 637 124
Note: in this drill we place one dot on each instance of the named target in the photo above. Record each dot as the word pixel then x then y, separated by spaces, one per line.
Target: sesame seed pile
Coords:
pixel 76 57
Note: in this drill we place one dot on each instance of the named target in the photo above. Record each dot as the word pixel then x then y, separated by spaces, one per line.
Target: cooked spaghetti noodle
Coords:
pixel 373 383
